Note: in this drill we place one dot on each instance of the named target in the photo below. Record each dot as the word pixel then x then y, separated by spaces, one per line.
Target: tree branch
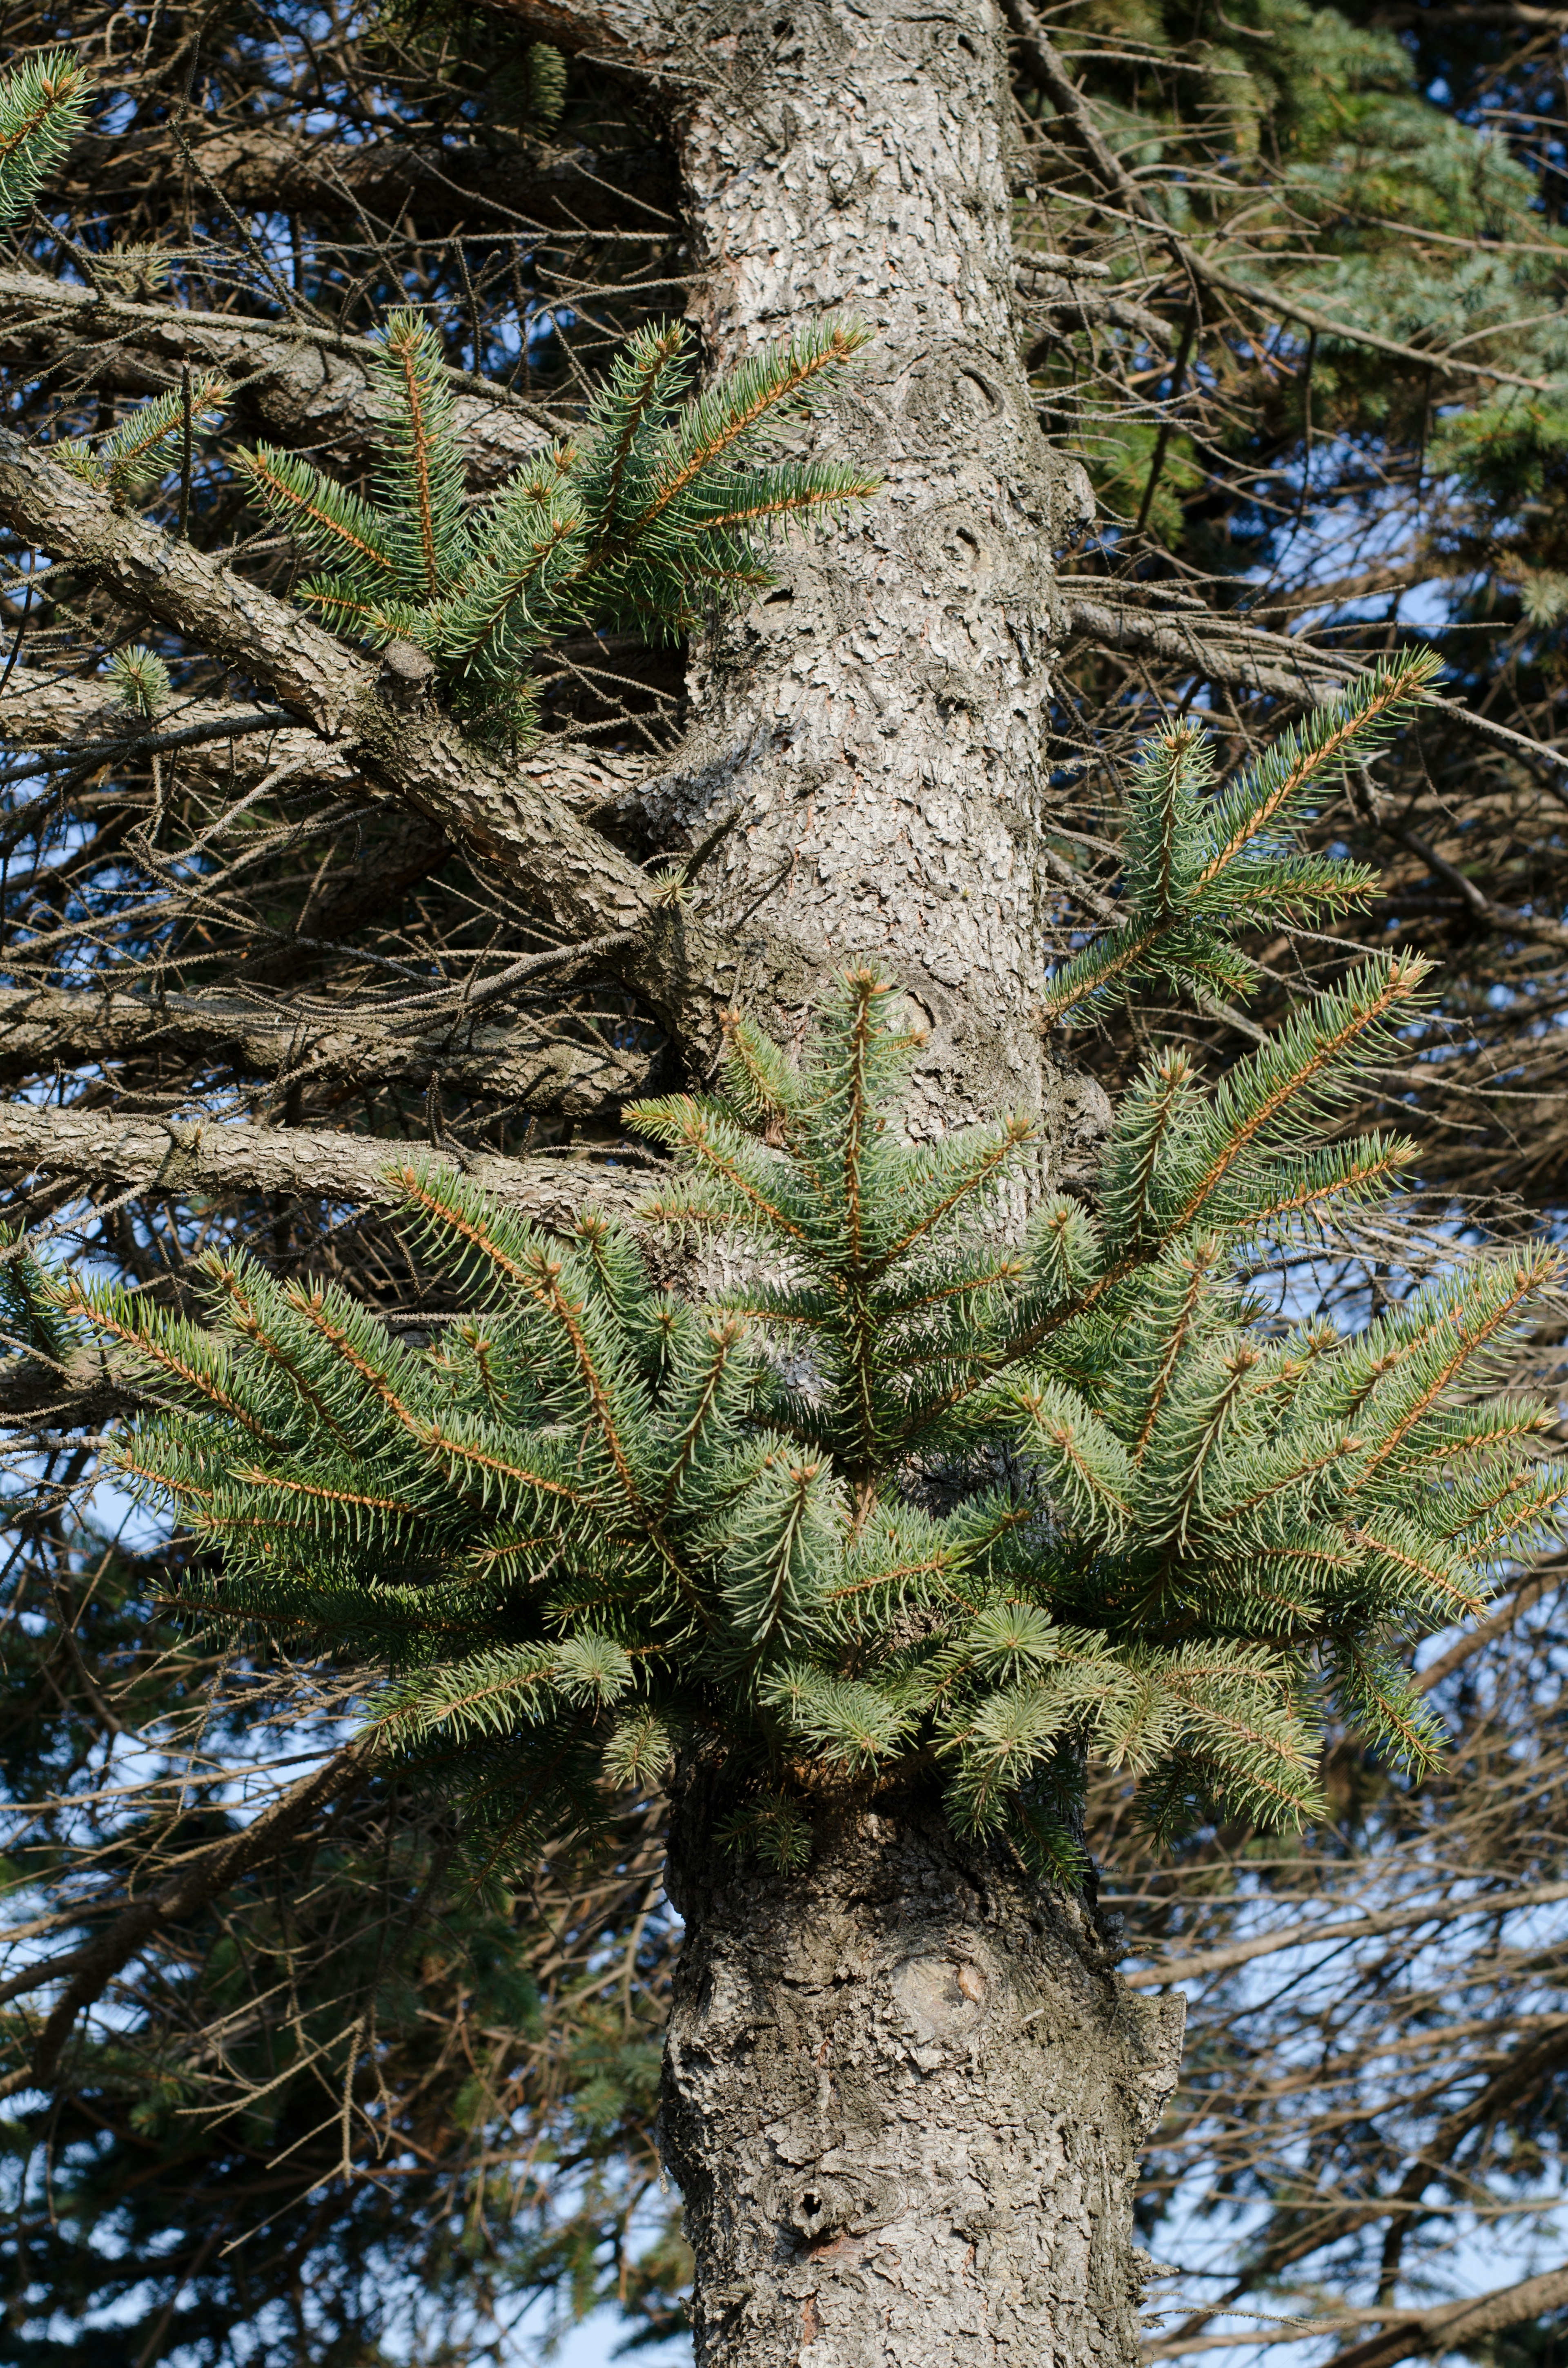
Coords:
pixel 1475 1640
pixel 202 1878
pixel 1450 2326
pixel 305 385
pixel 269 166
pixel 531 1068
pixel 236 746
pixel 1223 649
pixel 224 1160
pixel 1305 1934
pixel 400 743
pixel 1210 646
pixel 236 622
pixel 82 1395
pixel 1438 2328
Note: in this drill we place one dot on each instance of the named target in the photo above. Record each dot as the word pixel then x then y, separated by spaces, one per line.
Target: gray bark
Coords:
pixel 542 183
pixel 232 748
pixel 1215 649
pixel 904 2097
pixel 875 726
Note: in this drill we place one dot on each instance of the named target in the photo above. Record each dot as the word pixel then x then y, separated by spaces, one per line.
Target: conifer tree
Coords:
pixel 921 1521
pixel 862 761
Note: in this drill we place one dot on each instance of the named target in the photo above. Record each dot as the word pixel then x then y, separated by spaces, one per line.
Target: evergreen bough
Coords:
pixel 660 508
pixel 44 104
pixel 917 1501
pixel 1198 867
pixel 148 443
pixel 655 511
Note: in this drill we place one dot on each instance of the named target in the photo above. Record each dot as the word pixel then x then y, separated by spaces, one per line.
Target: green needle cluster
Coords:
pixel 659 508
pixel 44 104
pixel 926 1502
pixel 1198 867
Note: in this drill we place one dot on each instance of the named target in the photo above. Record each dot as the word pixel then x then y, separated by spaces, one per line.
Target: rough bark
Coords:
pixel 267 166
pixel 905 2095
pixel 300 384
pixel 875 726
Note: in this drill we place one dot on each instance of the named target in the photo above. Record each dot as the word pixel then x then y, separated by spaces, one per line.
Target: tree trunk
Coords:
pixel 905 2095
pixel 872 729
pixel 904 2090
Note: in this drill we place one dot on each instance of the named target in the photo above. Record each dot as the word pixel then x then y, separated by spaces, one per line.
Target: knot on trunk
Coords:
pixel 407 678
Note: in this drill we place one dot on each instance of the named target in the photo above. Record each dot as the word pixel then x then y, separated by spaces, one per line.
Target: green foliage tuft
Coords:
pixel 142 679
pixel 31 1323
pixel 545 70
pixel 147 444
pixel 663 507
pixel 43 103
pixel 598 1524
pixel 1198 867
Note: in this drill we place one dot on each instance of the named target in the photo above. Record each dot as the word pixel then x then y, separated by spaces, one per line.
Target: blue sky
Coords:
pixel 592 2345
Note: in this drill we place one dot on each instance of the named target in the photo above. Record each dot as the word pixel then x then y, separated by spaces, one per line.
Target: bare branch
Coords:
pixel 221 1159
pixel 304 384
pixel 84 1394
pixel 529 1066
pixel 1451 2324
pixel 1227 649
pixel 263 165
pixel 91 1967
pixel 158 576
pixel 1308 1932
pixel 1475 1640
pixel 1213 647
